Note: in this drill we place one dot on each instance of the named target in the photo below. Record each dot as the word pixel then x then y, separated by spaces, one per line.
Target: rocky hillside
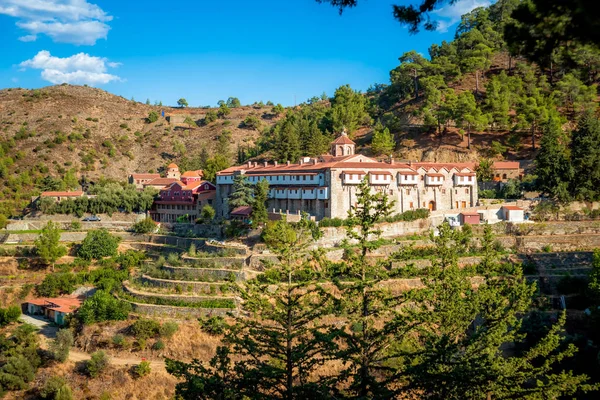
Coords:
pixel 100 134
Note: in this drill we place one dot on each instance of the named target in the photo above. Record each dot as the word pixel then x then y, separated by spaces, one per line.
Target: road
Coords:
pixel 48 331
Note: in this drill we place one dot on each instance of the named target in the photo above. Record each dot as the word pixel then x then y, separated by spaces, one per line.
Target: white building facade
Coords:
pixel 326 186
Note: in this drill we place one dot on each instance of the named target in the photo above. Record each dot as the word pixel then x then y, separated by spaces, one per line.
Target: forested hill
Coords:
pixel 471 86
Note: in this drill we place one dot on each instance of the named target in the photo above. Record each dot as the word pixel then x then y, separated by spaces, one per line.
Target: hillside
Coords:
pixel 49 131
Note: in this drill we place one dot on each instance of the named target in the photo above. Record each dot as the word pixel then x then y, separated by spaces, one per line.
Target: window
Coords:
pixel 297 177
pixel 443 191
pixel 470 179
pixel 467 191
pixel 503 176
pixel 321 191
pixel 304 177
pixel 391 192
pixel 423 204
pixel 408 192
pixel 326 204
pixel 210 201
pixel 411 205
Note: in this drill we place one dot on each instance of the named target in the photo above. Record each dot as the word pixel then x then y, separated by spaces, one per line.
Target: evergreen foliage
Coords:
pixel 383 141
pixel 98 243
pixel 242 193
pixel 259 207
pixel 48 245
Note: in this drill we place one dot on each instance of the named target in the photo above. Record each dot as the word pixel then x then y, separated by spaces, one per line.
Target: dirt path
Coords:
pixel 78 356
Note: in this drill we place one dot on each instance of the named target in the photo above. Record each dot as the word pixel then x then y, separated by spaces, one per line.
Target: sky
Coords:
pixel 285 51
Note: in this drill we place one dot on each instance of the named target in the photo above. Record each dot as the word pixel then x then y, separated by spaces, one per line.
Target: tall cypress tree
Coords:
pixel 242 193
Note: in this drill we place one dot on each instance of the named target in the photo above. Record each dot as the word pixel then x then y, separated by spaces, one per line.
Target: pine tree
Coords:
pixel 281 341
pixel 259 208
pixel 368 308
pixel 585 158
pixel 242 193
pixel 349 110
pixel 459 350
pixel 552 166
pixel 383 141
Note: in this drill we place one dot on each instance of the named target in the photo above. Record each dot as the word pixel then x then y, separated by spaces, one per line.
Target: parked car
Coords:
pixel 92 218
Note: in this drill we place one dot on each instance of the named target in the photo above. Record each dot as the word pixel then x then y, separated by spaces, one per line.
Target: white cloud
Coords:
pixel 66 21
pixel 78 69
pixel 450 14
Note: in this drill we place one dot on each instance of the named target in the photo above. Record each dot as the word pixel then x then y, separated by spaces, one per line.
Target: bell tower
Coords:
pixel 342 146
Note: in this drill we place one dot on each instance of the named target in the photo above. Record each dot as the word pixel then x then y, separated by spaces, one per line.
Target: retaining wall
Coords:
pixel 235 262
pixel 154 310
pixel 215 248
pixel 425 262
pixel 176 297
pixel 196 287
pixel 215 273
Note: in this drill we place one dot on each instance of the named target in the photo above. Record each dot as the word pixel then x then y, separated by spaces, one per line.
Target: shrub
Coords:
pixel 56 388
pixel 103 307
pixel 214 325
pixel 118 340
pixel 98 244
pixel 252 122
pixel 9 315
pixel 145 328
pixel 144 226
pixel 97 364
pixel 56 284
pixel 61 346
pixel 192 250
pixel 158 345
pixel 141 344
pixel 152 117
pixel 142 369
pixel 210 116
pixel 75 225
pixel 168 329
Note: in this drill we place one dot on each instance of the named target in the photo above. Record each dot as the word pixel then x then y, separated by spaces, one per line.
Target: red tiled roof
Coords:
pixel 62 304
pixel 207 195
pixel 408 172
pixel 145 176
pixel 513 208
pixel 435 175
pixel 62 194
pixel 470 213
pixel 380 173
pixel 506 165
pixel 342 139
pixel 172 165
pixel 354 172
pixel 244 211
pixel 161 181
pixel 190 174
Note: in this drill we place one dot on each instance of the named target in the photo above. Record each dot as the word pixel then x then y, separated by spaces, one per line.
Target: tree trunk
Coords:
pixel 477 82
pixel 533 135
pixel 416 84
pixel 469 139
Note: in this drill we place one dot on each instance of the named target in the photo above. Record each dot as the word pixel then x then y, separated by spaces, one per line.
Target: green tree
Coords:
pixel 252 121
pixel 286 306
pixel 98 243
pixel 48 245
pixel 208 213
pixel 233 102
pixel 552 166
pixel 61 345
pixel 575 95
pixel 223 111
pixel 278 109
pixel 585 158
pixel 468 115
pixel 259 207
pixel 348 110
pixel 102 306
pixel 485 171
pixel 182 102
pixel 475 53
pixel 9 315
pixel 211 116
pixel 97 363
pixel 147 225
pixel 70 180
pixel 215 164
pixel 383 142
pixel 242 193
pixel 369 309
pixel 56 388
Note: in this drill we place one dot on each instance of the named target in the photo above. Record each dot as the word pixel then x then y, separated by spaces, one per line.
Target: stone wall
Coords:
pixel 215 248
pixel 196 287
pixel 179 312
pixel 257 261
pixel 176 297
pixel 215 274
pixel 233 262
pixel 424 263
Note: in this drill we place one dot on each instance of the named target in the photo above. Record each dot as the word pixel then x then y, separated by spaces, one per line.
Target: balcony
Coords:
pixel 465 179
pixel 322 193
pixel 408 178
pixel 380 178
pixel 434 179
pixel 309 194
pixel 294 193
pixel 353 177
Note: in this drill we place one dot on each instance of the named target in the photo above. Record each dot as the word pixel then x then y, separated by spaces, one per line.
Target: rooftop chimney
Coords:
pixel 301 161
pixel 249 164
pixel 275 163
pixel 315 160
pixel 266 164
pixel 287 163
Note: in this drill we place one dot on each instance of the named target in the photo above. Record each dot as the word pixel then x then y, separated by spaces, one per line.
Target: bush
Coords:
pixel 103 307
pixel 75 225
pixel 158 345
pixel 213 325
pixel 210 117
pixel 145 328
pixel 168 329
pixel 97 364
pixel 61 346
pixel 410 215
pixel 118 340
pixel 56 284
pixel 144 226
pixel 56 388
pixel 98 244
pixel 142 369
pixel 9 315
pixel 152 117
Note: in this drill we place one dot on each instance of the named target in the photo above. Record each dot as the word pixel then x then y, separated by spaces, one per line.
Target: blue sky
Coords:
pixel 278 50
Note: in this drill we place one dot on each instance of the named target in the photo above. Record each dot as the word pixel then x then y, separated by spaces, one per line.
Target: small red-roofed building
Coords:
pixel 506 170
pixel 140 179
pixel 183 202
pixel 55 309
pixel 469 217
pixel 60 196
pixel 513 213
